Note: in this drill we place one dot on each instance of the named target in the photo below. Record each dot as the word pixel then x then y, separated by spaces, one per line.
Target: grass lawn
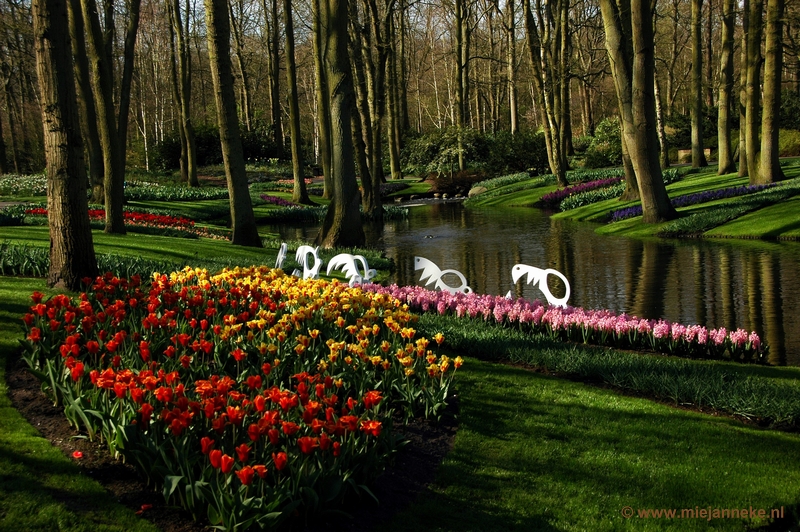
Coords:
pixel 40 488
pixel 539 453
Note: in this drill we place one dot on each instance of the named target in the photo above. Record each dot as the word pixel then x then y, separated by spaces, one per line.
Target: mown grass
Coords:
pixel 537 453
pixel 40 488
pixel 768 394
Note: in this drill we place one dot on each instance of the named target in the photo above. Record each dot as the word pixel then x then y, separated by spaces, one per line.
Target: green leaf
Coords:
pixel 171 483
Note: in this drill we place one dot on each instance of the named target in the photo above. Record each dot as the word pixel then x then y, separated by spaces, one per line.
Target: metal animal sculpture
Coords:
pixel 301 257
pixel 348 264
pixel 281 255
pixel 538 276
pixel 433 274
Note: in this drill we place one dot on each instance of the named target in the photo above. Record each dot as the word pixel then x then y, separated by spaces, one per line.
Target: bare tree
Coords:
pixel 342 224
pixel 698 154
pixel 726 163
pixel 71 248
pixel 634 78
pixel 245 232
pixel 182 87
pixel 299 192
pixel 770 168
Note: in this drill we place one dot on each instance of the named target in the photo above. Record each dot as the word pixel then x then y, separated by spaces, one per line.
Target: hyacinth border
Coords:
pixel 597 327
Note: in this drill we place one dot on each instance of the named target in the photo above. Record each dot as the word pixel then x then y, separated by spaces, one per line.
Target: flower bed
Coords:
pixel 133 218
pixel 600 327
pixel 553 199
pixel 248 396
pixel 693 199
pixel 280 202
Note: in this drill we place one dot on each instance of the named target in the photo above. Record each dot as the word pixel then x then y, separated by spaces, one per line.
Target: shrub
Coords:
pixel 552 199
pixel 606 147
pixel 437 152
pixel 789 117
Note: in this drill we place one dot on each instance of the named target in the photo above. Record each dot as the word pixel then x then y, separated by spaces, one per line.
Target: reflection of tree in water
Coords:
pixel 651 285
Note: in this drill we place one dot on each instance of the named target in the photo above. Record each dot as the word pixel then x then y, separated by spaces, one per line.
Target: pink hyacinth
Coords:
pixel 755 341
pixel 661 330
pixel 739 337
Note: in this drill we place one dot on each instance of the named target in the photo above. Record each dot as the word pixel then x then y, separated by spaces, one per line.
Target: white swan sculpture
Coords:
pixel 281 255
pixel 348 264
pixel 301 257
pixel 433 274
pixel 538 277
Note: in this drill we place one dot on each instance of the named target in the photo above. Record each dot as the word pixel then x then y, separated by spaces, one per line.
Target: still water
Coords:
pixel 754 285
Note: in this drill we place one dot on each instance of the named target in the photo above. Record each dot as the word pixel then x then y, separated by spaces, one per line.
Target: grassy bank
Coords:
pixel 769 214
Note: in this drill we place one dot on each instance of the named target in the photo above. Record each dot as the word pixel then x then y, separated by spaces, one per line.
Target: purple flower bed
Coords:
pixel 280 202
pixel 693 199
pixel 600 327
pixel 553 199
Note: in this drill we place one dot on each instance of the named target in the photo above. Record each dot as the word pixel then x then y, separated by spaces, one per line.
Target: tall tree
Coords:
pixel 113 129
pixel 743 169
pixel 511 65
pixel 88 111
pixel 181 68
pixel 698 153
pixel 548 43
pixel 299 192
pixel 342 224
pixel 770 168
pixel 634 79
pixel 245 232
pixel 753 66
pixel 71 248
pixel 321 90
pixel 726 163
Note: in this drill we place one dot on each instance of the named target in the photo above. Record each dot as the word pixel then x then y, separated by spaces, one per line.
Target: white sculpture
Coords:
pixel 348 264
pixel 302 258
pixel 281 255
pixel 433 274
pixel 537 276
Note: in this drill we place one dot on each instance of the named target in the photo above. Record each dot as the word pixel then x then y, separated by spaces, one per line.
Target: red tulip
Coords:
pixel 280 460
pixel 245 474
pixel 226 463
pixel 215 456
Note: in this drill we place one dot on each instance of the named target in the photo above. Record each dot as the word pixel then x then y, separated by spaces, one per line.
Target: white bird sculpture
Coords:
pixel 433 274
pixel 538 276
pixel 302 258
pixel 348 264
pixel 281 255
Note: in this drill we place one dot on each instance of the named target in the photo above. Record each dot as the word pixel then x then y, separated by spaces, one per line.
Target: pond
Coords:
pixel 750 284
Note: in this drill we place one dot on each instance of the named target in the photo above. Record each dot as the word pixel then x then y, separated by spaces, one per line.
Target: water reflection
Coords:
pixel 748 284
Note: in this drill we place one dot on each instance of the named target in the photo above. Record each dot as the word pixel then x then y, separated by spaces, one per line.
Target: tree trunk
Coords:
pixel 662 134
pixel 102 83
pixel 634 79
pixel 698 154
pixel 323 104
pixel 392 114
pixel 362 121
pixel 277 123
pixel 726 163
pixel 752 115
pixel 88 114
pixel 511 58
pixel 184 76
pixel 342 224
pixel 240 63
pixel 125 90
pixel 462 75
pixel 299 192
pixel 71 248
pixel 770 168
pixel 743 89
pixel 245 232
pixel 3 155
pixel 548 45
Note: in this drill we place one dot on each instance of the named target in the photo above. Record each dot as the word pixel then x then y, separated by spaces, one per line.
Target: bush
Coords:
pixel 257 145
pixel 606 147
pixel 789 117
pixel 438 151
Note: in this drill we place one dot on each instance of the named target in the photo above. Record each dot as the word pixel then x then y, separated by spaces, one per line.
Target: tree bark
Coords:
pixel 726 163
pixel 634 79
pixel 752 115
pixel 323 113
pixel 182 83
pixel 72 254
pixel 102 83
pixel 770 168
pixel 698 154
pixel 662 134
pixel 88 114
pixel 299 192
pixel 245 232
pixel 342 224
pixel 511 58
pixel 277 123
pixel 743 89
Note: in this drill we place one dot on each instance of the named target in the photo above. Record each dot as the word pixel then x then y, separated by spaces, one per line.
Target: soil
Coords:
pixel 413 470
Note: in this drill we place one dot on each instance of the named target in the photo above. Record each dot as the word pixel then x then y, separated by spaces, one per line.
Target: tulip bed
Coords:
pixel 599 327
pixel 248 396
